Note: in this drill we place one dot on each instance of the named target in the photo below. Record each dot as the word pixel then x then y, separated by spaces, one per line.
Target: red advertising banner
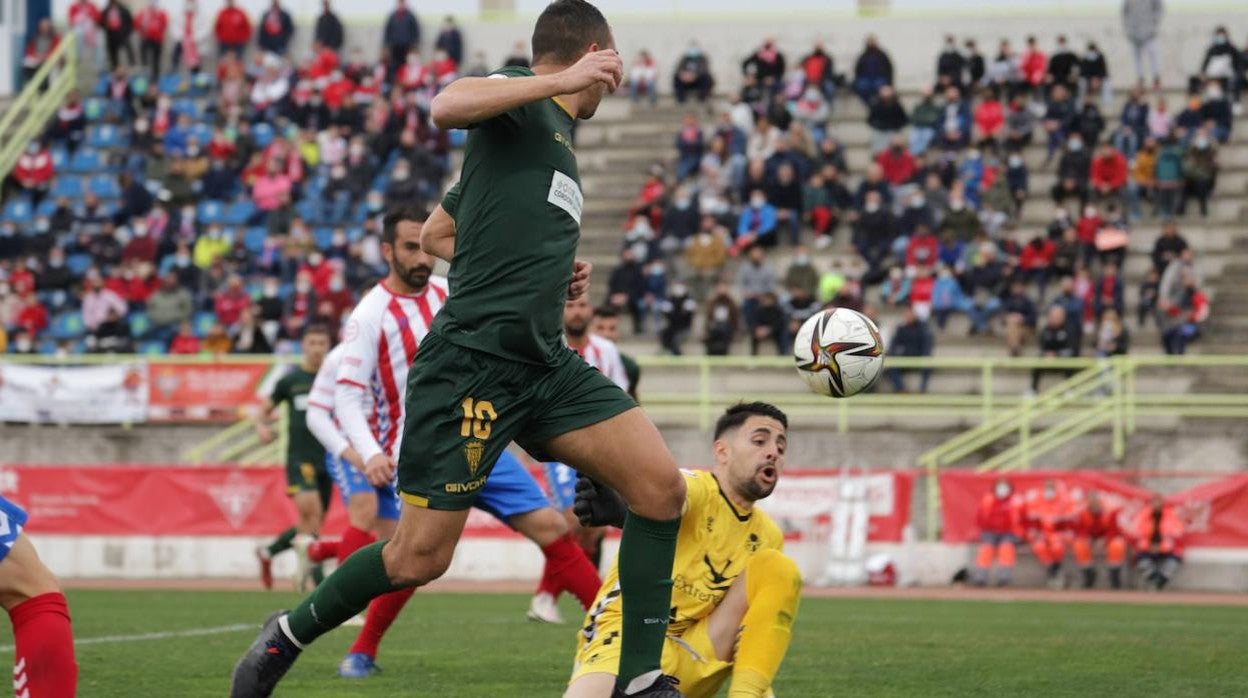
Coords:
pixel 1214 514
pixel 228 500
pixel 203 392
pixel 170 500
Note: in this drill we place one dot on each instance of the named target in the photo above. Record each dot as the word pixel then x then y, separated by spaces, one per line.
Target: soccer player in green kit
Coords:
pixel 308 483
pixel 494 367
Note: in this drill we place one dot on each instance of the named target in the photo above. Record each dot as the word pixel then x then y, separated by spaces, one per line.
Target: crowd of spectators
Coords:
pixel 936 219
pixel 220 207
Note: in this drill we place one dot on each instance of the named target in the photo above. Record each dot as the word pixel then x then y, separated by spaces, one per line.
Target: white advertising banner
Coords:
pixel 107 394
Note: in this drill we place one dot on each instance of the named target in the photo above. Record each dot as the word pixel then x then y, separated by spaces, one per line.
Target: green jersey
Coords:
pixel 517 210
pixel 633 371
pixel 301 445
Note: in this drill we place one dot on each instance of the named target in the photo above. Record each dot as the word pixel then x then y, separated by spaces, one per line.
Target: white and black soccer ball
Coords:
pixel 839 352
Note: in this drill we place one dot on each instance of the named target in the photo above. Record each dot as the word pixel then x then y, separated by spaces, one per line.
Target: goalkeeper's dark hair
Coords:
pixel 565 28
pixel 398 214
pixel 736 415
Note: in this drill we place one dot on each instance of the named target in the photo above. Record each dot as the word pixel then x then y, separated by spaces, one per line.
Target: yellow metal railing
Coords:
pixel 42 95
pixel 1100 394
pixel 239 443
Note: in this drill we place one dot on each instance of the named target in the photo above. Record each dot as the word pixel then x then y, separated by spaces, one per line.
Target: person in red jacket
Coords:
pixel 1034 64
pixel 31 316
pixel 34 171
pixel 1108 174
pixel 922 250
pixel 1099 523
pixel 233 30
pixel 230 301
pixel 898 164
pixel 1047 519
pixel 1158 539
pixel 989 117
pixel 1000 529
pixel 185 342
pixel 38 48
pixel 152 23
pixel 1034 261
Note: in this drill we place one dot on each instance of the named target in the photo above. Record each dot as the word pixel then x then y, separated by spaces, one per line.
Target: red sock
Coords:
pixel 381 613
pixel 322 549
pixel 352 540
pixel 568 569
pixel 43 665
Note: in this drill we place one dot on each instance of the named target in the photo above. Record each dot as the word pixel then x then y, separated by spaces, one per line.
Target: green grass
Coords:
pixel 480 645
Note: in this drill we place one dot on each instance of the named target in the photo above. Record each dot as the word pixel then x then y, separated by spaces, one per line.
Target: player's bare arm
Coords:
pixel 437 236
pixel 264 420
pixel 469 101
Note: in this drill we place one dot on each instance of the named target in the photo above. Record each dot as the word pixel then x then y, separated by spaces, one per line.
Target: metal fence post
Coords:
pixel 1120 441
pixel 985 389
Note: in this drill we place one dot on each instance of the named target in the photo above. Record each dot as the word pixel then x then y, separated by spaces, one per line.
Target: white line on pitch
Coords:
pixel 166 635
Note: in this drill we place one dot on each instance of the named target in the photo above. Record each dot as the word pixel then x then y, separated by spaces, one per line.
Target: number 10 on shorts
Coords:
pixel 478 414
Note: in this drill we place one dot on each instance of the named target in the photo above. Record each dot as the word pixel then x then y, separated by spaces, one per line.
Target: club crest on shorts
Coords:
pixel 473 451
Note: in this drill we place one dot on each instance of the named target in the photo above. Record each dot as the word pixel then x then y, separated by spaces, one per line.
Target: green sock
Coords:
pixel 318 574
pixel 346 592
pixel 282 542
pixel 646 552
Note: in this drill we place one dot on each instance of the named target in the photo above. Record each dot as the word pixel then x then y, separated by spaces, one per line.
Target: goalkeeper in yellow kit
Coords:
pixel 735 593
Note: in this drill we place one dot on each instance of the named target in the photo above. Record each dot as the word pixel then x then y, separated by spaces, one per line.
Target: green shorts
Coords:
pixel 309 476
pixel 465 406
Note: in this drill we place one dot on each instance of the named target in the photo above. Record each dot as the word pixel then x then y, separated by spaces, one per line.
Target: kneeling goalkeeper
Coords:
pixel 735 593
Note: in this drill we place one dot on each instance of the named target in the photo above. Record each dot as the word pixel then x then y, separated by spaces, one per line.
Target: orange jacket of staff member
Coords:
pixel 1000 515
pixel 1098 521
pixel 1048 518
pixel 1158 530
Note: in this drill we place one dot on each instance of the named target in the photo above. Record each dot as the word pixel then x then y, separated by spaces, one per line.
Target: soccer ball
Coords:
pixel 839 352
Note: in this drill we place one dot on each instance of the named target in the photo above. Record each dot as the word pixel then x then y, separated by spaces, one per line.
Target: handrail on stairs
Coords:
pixel 42 95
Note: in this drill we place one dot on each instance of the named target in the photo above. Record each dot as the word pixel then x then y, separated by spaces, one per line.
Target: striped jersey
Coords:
pixel 602 354
pixel 379 344
pixel 322 394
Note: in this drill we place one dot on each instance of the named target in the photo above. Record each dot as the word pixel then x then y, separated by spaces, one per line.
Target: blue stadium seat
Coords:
pixel 60 158
pixel 262 134
pixel 458 137
pixel 139 83
pixel 140 323
pixel 85 161
pixel 69 186
pixel 308 210
pixel 202 133
pixel 46 207
pixel 18 210
pixel 239 212
pixel 47 346
pixel 105 186
pixel 254 239
pixel 105 136
pixel 324 237
pixel 210 212
pixel 354 234
pixel 67 326
pixel 153 347
pixel 203 321
pixel 78 264
pixel 171 84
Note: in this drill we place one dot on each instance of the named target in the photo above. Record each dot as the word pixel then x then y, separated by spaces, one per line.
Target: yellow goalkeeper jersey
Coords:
pixel 712 547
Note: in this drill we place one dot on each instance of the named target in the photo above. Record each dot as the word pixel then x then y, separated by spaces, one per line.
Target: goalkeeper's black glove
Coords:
pixel 598 505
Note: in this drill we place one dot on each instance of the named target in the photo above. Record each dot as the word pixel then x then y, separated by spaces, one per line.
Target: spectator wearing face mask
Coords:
pixel 886 117
pixel 1094 74
pixel 169 305
pixel 1182 321
pixel 690 146
pixel 912 338
pixel 1157 534
pixel 1073 171
pixel 1200 170
pixel 955 122
pixel 34 172
pixel 1223 63
pixel 756 224
pixel 211 246
pixel 706 255
pixel 769 325
pixel 874 232
pixel 676 311
pixel 767 65
pixel 960 219
pixel 643 79
pixel 1108 174
pixel 950 64
pixel 754 278
pixel 98 301
pixel 925 120
pixel 692 76
pixel 1216 111
pixel 723 322
pixel 785 195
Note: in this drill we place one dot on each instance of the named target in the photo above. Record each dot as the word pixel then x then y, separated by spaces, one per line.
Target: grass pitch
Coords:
pixel 480 645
